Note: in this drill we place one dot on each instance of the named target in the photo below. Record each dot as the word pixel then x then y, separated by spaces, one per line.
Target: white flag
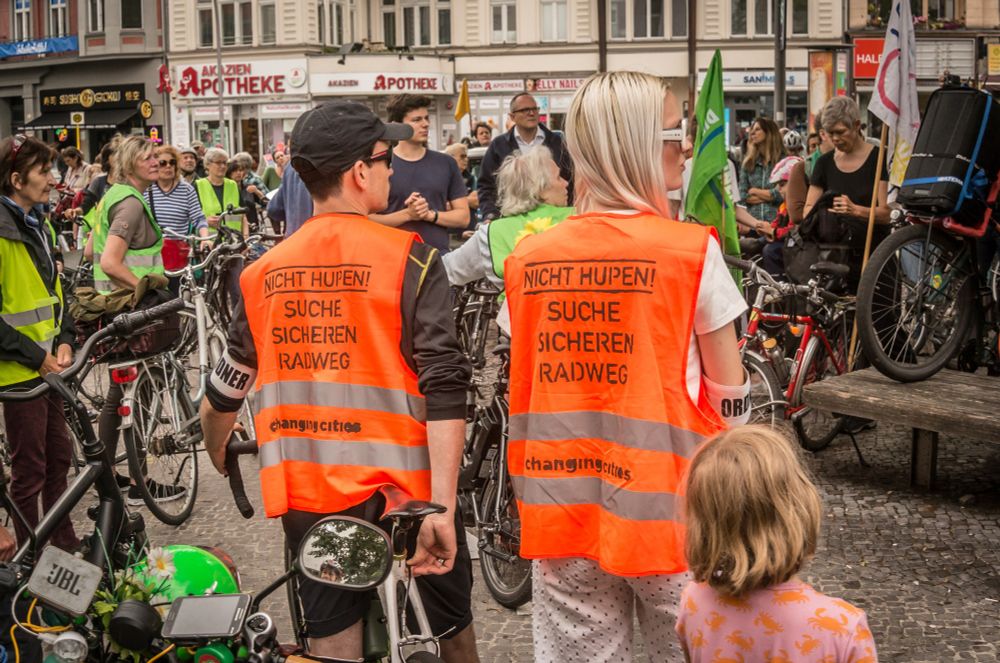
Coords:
pixel 895 98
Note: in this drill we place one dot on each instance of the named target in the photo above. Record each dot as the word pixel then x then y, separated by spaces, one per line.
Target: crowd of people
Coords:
pixel 626 385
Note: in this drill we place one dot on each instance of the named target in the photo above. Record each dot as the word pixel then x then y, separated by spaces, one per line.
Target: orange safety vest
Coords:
pixel 602 426
pixel 338 410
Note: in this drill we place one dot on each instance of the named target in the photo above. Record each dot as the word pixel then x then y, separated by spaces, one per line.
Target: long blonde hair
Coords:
pixel 752 512
pixel 129 151
pixel 613 133
pixel 771 151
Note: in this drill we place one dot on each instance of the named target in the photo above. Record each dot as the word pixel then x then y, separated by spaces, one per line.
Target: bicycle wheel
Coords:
pixel 767 402
pixel 294 607
pixel 162 463
pixel 509 581
pixel 915 302
pixel 815 429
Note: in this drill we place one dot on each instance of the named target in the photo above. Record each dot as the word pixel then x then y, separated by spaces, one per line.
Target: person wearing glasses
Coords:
pixel 360 335
pixel 218 193
pixel 175 206
pixel 527 132
pixel 36 336
pixel 428 195
pixel 627 359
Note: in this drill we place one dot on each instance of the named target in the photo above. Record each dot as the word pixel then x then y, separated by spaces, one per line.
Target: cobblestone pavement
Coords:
pixel 923 565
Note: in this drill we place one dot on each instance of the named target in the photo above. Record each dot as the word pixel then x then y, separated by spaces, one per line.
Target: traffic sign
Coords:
pixel 76 118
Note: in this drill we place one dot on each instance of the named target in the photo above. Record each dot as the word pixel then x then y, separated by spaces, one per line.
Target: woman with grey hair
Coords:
pixel 252 183
pixel 848 172
pixel 532 198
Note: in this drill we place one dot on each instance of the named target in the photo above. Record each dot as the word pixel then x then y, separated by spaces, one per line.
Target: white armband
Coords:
pixel 231 379
pixel 732 403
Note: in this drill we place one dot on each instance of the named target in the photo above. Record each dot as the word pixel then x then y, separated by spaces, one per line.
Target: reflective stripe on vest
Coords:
pixel 338 411
pixel 140 262
pixel 602 424
pixel 27 305
pixel 210 204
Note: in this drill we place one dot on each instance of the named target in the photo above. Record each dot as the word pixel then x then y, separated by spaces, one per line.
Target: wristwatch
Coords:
pixel 435 219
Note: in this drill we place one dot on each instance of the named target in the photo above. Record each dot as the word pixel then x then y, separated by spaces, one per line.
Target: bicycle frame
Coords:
pixel 395 609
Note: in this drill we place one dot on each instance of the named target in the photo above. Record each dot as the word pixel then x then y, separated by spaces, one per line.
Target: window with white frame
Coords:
pixel 647 19
pixel 416 23
pixel 58 18
pixel 678 18
pixel 444 22
pixel 95 15
pixel 22 20
pixel 618 18
pixel 754 18
pixel 389 22
pixel 268 23
pixel 321 21
pixel 800 17
pixel 132 14
pixel 738 17
pixel 554 20
pixel 206 26
pixel 237 22
pixel 503 21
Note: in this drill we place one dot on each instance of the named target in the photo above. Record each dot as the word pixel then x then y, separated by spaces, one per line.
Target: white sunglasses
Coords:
pixel 676 135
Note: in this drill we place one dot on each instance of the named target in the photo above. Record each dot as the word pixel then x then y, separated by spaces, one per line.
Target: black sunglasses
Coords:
pixel 166 162
pixel 384 155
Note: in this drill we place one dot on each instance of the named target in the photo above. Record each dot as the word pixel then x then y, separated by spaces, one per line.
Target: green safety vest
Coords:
pixel 504 232
pixel 29 306
pixel 139 261
pixel 210 202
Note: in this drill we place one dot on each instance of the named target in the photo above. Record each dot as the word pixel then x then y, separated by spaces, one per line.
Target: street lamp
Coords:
pixel 779 7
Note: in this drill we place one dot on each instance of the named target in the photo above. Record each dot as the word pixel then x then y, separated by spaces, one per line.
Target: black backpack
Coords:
pixel 823 236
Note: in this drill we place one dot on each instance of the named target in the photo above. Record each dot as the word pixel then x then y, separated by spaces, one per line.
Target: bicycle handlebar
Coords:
pixel 122 325
pixel 234 450
pixel 762 276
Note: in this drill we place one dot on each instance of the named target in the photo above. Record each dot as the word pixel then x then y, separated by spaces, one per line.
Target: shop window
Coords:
pixel 553 20
pixel 503 21
pixel 444 23
pixel 58 18
pixel 206 28
pixel 679 18
pixel 95 15
pixel 417 24
pixel 268 24
pixel 22 20
pixel 389 22
pixel 131 14
pixel 738 17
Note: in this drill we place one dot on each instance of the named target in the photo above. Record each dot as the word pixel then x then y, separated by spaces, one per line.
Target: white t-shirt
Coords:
pixel 732 182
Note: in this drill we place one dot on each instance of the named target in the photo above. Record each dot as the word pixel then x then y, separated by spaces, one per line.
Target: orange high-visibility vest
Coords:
pixel 338 411
pixel 602 425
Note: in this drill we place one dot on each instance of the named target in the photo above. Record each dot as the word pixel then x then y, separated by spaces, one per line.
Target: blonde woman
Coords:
pixel 623 358
pixel 753 518
pixel 764 151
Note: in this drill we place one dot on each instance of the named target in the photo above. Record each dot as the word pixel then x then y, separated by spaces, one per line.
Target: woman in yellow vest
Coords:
pixel 623 358
pixel 35 335
pixel 218 193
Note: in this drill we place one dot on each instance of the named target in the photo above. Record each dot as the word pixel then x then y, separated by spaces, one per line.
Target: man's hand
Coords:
pixel 436 546
pixel 49 365
pixel 218 457
pixel 213 221
pixel 417 207
pixel 64 355
pixel 8 546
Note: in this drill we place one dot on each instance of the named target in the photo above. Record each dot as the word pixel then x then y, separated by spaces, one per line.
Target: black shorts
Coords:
pixel 329 610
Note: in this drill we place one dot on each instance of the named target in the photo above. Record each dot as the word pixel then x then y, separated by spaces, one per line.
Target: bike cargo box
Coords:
pixel 956 157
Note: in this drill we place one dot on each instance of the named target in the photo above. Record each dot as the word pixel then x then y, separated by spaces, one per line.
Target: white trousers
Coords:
pixel 584 614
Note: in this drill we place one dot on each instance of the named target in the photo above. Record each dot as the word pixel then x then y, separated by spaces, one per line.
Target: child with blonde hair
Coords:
pixel 753 518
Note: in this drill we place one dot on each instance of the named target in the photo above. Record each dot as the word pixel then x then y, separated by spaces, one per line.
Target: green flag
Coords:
pixel 708 200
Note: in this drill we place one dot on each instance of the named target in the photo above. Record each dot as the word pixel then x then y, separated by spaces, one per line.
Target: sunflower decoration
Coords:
pixel 534 227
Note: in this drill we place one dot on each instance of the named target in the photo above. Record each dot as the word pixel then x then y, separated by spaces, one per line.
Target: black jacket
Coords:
pixel 15 346
pixel 499 149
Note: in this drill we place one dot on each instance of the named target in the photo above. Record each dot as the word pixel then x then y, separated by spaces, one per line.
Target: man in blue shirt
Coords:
pixel 427 194
pixel 291 203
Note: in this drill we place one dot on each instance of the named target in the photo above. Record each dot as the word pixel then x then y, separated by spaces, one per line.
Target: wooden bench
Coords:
pixel 950 402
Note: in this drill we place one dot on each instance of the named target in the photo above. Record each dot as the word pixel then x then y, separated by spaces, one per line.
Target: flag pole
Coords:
pixel 868 236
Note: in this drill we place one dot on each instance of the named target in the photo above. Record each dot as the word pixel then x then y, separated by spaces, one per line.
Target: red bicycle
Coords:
pixel 777 381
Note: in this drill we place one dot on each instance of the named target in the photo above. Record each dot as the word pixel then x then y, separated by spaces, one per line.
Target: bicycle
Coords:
pixel 777 385
pixel 355 562
pixel 476 306
pixel 485 493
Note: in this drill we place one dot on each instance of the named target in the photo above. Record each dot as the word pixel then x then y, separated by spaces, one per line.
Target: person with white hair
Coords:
pixel 217 193
pixel 532 198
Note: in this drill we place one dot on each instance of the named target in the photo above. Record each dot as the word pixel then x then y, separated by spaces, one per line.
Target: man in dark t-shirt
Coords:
pixel 427 195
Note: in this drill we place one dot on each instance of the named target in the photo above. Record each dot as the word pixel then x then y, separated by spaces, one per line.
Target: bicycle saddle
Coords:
pixel 830 269
pixel 399 504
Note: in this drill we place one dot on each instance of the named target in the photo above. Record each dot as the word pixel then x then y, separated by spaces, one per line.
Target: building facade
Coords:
pixel 282 56
pixel 82 65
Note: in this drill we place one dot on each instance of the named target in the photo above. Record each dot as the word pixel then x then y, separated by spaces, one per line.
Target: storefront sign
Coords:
pixel 553 84
pixel 993 59
pixel 39 47
pixel 867 55
pixel 516 85
pixel 210 112
pixel 375 83
pixel 239 79
pixel 97 97
pixel 283 110
pixel 753 80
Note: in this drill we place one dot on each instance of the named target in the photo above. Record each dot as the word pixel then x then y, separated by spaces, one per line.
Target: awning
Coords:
pixel 93 119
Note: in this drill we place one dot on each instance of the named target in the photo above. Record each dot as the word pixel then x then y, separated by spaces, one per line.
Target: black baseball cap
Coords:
pixel 332 137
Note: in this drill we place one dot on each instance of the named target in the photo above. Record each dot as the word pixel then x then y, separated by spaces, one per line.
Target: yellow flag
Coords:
pixel 462 108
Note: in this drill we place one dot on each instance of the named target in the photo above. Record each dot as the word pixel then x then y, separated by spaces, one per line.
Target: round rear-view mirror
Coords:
pixel 345 552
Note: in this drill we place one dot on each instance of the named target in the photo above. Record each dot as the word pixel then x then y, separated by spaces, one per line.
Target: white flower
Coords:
pixel 160 562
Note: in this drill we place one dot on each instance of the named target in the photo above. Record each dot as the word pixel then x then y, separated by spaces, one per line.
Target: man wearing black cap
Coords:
pixel 345 337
